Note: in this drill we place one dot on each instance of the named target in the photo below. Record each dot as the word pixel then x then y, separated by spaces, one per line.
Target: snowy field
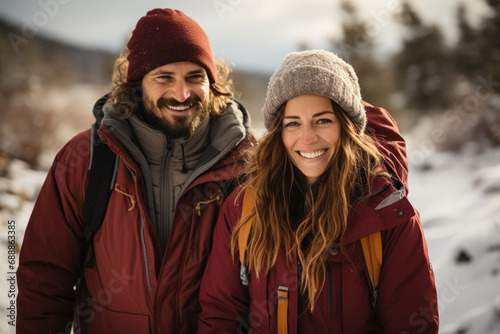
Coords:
pixel 458 196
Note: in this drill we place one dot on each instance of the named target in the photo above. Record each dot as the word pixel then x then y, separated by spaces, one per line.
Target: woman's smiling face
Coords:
pixel 310 134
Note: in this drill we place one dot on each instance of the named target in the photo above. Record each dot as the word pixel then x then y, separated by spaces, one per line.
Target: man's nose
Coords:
pixel 181 91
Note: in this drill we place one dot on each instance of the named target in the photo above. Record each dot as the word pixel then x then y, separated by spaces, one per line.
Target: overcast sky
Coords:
pixel 252 34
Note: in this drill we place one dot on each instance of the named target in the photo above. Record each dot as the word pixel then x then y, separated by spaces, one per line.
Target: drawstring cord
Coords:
pixel 219 198
pixel 130 197
pixel 184 167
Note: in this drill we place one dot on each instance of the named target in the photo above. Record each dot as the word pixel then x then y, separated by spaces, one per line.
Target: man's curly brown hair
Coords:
pixel 126 97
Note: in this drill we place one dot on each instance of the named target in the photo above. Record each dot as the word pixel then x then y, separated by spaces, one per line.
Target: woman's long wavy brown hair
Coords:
pixel 269 173
pixel 127 96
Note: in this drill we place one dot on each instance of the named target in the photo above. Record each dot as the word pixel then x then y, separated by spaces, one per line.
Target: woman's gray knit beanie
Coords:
pixel 316 72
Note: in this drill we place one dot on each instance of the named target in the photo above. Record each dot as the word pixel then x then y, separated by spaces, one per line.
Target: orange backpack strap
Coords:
pixel 282 310
pixel 372 252
pixel 245 230
pixel 242 247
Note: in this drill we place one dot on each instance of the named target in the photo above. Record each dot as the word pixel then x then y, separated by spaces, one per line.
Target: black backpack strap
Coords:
pixel 100 182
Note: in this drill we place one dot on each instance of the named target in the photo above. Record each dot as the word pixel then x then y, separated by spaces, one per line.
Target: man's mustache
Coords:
pixel 163 102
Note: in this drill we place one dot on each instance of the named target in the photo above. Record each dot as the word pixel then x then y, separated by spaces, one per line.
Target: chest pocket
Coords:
pixel 348 294
pixel 206 209
pixel 341 268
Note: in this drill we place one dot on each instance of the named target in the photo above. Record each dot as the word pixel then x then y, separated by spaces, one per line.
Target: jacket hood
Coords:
pixel 98 108
pixel 389 142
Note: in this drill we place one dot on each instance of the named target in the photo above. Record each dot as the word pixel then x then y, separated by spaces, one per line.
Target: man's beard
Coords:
pixel 174 126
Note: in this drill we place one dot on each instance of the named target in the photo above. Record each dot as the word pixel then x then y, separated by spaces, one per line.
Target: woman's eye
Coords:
pixel 291 124
pixel 324 120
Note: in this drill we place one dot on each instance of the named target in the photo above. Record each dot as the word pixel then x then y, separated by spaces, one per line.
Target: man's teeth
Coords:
pixel 179 108
pixel 312 155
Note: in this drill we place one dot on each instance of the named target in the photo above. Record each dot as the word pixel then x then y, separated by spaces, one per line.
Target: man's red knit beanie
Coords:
pixel 166 36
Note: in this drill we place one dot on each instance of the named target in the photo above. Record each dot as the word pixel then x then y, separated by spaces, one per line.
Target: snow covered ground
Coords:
pixel 18 193
pixel 458 196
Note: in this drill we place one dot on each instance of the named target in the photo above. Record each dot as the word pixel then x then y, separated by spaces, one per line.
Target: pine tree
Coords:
pixel 358 49
pixel 423 64
pixel 477 70
pixel 467 56
pixel 490 49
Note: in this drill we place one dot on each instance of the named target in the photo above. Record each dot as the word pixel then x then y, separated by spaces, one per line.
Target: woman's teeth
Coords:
pixel 312 155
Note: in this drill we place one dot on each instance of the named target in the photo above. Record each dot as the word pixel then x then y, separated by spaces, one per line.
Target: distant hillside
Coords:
pixel 251 91
pixel 23 56
pixel 47 90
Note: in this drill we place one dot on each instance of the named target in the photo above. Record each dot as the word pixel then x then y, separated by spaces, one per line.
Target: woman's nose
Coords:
pixel 309 135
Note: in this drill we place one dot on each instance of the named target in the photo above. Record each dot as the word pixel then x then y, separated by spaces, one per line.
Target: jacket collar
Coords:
pixel 184 151
pixel 384 208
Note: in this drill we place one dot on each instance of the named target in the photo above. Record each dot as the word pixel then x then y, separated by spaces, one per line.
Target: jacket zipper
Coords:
pixel 87 321
pixel 164 224
pixel 329 279
pixel 143 240
pixel 146 264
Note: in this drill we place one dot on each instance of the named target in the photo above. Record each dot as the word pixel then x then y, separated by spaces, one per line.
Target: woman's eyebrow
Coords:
pixel 323 112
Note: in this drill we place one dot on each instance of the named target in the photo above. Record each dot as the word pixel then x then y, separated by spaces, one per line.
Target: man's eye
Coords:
pixel 196 77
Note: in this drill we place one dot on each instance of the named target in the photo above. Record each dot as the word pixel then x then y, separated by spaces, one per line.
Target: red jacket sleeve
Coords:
pixel 407 300
pixel 50 259
pixel 390 143
pixel 224 299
